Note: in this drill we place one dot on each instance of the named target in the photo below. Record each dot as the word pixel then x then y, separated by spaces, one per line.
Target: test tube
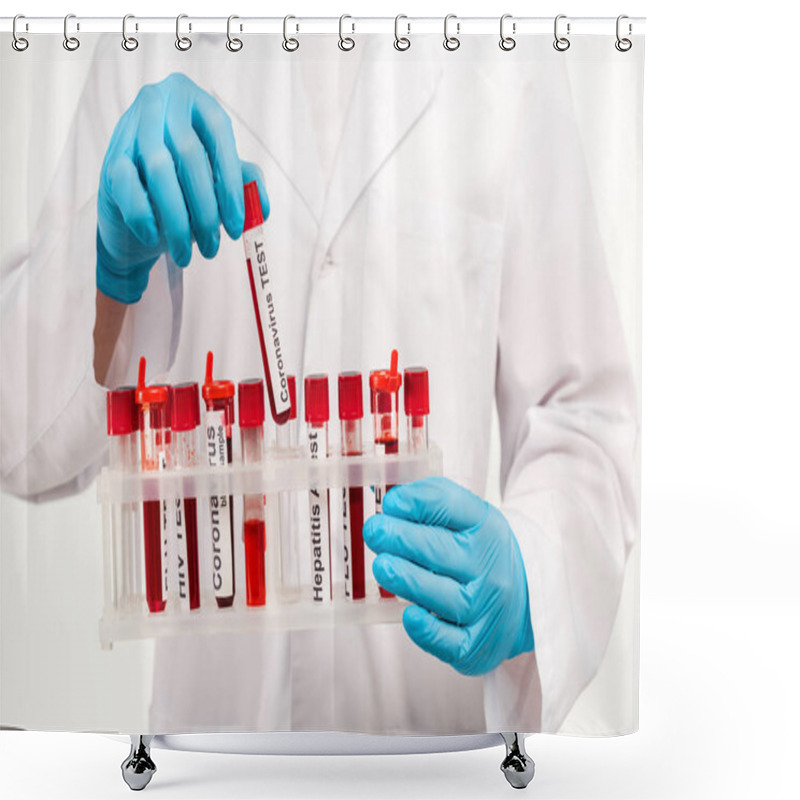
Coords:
pixel 269 319
pixel 152 402
pixel 251 427
pixel 317 415
pixel 417 407
pixel 351 411
pixel 122 422
pixel 185 419
pixel 287 507
pixel 384 387
pixel 218 396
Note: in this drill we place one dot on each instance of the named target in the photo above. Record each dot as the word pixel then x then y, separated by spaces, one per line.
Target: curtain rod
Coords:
pixel 464 26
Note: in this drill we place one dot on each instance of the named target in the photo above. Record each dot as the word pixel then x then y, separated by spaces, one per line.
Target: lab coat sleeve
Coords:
pixel 568 410
pixel 52 412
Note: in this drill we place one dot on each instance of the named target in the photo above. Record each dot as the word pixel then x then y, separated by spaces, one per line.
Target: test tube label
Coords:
pixel 320 530
pixel 162 465
pixel 348 572
pixel 183 553
pixel 217 450
pixel 269 316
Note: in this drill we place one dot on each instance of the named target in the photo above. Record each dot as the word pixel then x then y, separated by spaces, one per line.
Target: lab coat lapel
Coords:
pixel 391 94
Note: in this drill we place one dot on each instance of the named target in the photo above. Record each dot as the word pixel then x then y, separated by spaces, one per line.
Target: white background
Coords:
pixel 721 538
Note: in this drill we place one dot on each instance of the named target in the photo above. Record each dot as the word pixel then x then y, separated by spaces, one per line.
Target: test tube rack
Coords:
pixel 283 473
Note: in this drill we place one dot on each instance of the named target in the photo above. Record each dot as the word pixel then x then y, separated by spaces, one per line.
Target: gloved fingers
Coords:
pixel 252 172
pixel 436 501
pixel 162 183
pixel 449 643
pixel 126 190
pixel 194 176
pixel 213 126
pixel 435 549
pixel 440 595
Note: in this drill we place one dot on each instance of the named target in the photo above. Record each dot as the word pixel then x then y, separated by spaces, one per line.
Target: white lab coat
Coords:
pixel 452 219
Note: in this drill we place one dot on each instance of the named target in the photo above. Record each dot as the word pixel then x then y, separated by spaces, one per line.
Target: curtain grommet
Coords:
pixel 451 43
pixel 234 44
pixel 561 43
pixel 289 44
pixel 129 43
pixel 183 43
pixel 401 43
pixel 623 44
pixel 507 43
pixel 19 43
pixel 71 43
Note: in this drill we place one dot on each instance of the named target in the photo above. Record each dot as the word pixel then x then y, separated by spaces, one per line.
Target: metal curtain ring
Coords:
pixel 129 43
pixel 401 42
pixel 70 42
pixel 290 44
pixel 19 43
pixel 507 42
pixel 233 44
pixel 451 42
pixel 346 43
pixel 561 43
pixel 181 42
pixel 623 45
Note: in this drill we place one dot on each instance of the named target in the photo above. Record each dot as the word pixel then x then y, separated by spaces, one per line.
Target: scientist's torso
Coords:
pixel 387 196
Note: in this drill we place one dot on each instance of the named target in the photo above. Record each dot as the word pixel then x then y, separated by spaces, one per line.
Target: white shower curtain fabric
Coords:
pixel 479 210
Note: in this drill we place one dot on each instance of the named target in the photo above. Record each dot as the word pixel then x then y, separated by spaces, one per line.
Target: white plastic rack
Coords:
pixel 285 478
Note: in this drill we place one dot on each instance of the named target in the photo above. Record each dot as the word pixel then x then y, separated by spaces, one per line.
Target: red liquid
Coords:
pixel 152 556
pixel 255 544
pixel 390 447
pixel 356 500
pixel 193 565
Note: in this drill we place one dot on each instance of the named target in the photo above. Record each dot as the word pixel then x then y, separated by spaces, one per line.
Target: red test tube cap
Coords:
pixel 185 406
pixel 149 394
pixel 415 392
pixel 251 403
pixel 292 395
pixel 351 403
pixel 216 390
pixel 316 389
pixel 121 416
pixel 252 206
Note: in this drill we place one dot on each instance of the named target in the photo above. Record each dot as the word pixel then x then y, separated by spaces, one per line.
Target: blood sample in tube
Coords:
pixel 384 387
pixel 185 420
pixel 218 396
pixel 417 407
pixel 122 420
pixel 317 415
pixel 152 404
pixel 251 427
pixel 351 412
pixel 268 310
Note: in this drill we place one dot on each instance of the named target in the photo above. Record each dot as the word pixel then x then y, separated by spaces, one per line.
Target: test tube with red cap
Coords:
pixel 317 415
pixel 185 420
pixel 152 402
pixel 122 422
pixel 251 428
pixel 268 310
pixel 384 387
pixel 417 407
pixel 351 412
pixel 218 396
pixel 288 509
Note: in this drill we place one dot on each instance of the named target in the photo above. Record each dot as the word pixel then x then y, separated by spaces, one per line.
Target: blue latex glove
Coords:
pixel 171 174
pixel 454 556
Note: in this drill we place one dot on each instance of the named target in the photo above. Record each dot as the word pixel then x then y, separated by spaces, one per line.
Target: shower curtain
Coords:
pixel 476 208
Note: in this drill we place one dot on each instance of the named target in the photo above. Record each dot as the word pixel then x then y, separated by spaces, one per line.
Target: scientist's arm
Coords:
pixel 568 409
